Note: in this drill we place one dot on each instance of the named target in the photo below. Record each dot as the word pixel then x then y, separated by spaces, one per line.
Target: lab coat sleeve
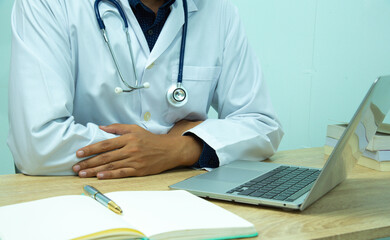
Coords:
pixel 43 135
pixel 247 128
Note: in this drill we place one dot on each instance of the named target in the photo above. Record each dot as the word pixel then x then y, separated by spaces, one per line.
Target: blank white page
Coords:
pixel 155 212
pixel 59 218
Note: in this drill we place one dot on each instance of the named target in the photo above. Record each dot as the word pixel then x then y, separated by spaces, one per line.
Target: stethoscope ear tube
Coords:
pixel 118 90
pixel 119 8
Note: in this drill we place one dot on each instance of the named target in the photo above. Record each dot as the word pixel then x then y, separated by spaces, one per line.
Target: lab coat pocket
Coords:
pixel 200 84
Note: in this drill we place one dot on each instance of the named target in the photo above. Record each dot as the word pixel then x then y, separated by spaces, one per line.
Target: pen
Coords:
pixel 98 196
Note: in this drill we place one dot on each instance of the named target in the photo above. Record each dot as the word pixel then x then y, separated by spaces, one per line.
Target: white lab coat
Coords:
pixel 62 82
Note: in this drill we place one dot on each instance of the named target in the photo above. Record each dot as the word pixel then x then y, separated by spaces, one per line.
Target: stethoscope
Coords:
pixel 176 94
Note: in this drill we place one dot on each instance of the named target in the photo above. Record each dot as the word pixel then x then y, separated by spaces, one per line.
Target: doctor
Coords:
pixel 66 116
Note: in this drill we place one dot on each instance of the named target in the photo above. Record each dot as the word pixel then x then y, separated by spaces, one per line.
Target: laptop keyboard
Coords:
pixel 283 183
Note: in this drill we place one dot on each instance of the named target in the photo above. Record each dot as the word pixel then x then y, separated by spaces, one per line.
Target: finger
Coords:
pixel 114 128
pixel 100 147
pixel 92 172
pixel 100 160
pixel 107 129
pixel 120 129
pixel 118 173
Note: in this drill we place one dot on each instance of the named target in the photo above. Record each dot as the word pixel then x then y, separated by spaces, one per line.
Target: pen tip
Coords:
pixel 119 210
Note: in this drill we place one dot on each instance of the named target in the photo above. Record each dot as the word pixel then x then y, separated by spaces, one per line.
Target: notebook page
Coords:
pixel 156 212
pixel 62 217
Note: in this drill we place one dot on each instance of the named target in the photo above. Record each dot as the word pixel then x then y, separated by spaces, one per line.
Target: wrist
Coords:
pixel 191 148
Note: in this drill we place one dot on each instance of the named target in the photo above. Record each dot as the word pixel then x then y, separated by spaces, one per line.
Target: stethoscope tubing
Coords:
pixel 118 7
pixel 177 96
pixel 183 44
pixel 107 41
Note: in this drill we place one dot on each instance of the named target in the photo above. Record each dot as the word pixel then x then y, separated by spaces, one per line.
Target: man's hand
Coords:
pixel 138 152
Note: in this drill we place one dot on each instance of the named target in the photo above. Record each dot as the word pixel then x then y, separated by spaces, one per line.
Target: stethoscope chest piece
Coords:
pixel 177 95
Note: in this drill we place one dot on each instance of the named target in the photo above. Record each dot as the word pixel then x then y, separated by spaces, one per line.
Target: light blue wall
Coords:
pixel 318 56
pixel 6 163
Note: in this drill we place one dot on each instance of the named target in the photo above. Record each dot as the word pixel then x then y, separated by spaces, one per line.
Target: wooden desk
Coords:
pixel 359 208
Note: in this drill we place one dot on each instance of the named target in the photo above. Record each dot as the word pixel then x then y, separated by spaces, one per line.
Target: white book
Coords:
pixel 380 156
pixel 380 141
pixel 146 215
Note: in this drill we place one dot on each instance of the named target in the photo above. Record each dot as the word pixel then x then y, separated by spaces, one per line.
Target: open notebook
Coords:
pixel 146 214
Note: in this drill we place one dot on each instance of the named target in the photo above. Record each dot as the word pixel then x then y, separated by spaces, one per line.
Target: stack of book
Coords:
pixel 377 154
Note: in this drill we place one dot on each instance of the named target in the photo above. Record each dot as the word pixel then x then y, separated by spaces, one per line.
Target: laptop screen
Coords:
pixel 354 140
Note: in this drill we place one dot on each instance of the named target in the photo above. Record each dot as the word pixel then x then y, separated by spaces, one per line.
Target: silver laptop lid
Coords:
pixel 354 140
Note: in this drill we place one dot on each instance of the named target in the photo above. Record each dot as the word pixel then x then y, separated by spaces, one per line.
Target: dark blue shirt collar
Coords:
pixel 135 3
pixel 151 23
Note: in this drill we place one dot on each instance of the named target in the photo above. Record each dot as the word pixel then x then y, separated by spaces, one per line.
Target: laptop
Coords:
pixel 291 187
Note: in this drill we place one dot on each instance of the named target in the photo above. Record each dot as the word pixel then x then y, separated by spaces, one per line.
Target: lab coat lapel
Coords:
pixel 172 29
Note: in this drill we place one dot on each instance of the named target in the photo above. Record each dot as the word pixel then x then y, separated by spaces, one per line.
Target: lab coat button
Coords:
pixel 147 116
